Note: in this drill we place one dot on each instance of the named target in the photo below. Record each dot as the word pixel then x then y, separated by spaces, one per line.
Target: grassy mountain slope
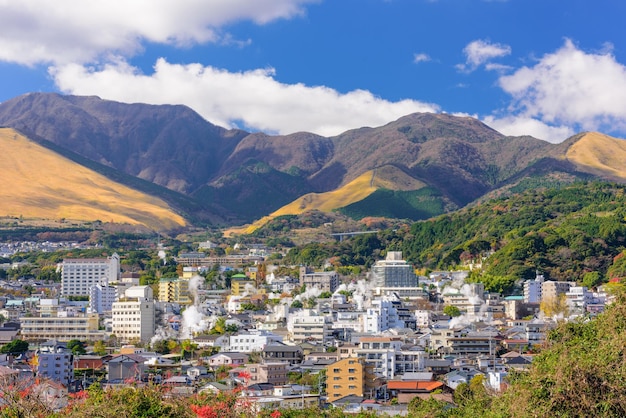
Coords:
pixel 600 155
pixel 357 190
pixel 42 184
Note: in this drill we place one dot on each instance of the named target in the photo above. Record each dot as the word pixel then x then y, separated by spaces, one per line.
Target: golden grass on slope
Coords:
pixel 39 183
pixel 599 154
pixel 358 189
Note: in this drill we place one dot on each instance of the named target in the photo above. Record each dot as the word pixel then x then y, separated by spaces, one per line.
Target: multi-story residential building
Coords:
pixel 61 328
pixel 175 290
pixel 422 318
pixel 552 290
pixel 55 362
pixel 248 342
pixel 381 316
pixel 268 372
pixel 325 281
pixel 101 298
pixel 346 350
pixel 78 275
pixel 241 284
pixel 133 315
pixel 309 325
pixel 381 353
pixel 282 284
pixel 469 299
pixel 350 376
pixel 533 289
pixel 348 320
pixel 464 342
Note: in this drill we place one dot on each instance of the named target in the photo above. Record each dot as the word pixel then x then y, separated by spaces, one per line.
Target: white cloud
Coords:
pixel 521 125
pixel 63 31
pixel 226 98
pixel 479 52
pixel 421 58
pixel 499 68
pixel 571 87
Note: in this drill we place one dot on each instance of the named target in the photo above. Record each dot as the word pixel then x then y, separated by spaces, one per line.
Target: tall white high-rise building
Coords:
pixel 78 275
pixel 133 315
pixel 395 275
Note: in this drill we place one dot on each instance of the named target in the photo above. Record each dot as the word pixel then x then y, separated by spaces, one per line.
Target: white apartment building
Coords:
pixel 101 298
pixel 309 325
pixel 352 320
pixel 381 316
pixel 133 316
pixel 252 341
pixel 533 290
pixel 381 353
pixel 78 275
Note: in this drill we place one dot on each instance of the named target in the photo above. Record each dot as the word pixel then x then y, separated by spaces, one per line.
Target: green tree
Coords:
pixel 99 348
pixel 15 347
pixel 452 311
pixel 592 279
pixel 76 347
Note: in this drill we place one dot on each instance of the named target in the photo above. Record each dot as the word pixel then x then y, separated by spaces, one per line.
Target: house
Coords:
pixel 226 359
pixel 274 373
pixel 88 361
pixel 196 372
pixel 348 403
pixel 125 367
pixel 291 354
pixel 406 390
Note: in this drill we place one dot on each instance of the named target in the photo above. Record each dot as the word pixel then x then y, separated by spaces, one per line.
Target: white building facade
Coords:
pixel 133 316
pixel 78 275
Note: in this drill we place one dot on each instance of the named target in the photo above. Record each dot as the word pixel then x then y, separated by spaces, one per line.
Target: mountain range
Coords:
pixel 182 170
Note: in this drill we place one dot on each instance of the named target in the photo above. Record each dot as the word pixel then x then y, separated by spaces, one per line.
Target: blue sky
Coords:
pixel 547 68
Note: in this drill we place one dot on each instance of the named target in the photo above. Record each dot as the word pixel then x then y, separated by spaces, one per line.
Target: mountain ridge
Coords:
pixel 219 176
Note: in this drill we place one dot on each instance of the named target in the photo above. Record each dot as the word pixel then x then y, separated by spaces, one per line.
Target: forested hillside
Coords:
pixel 566 233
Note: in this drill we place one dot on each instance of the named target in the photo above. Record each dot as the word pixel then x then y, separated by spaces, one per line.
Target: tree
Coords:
pixel 219 327
pixel 76 347
pixel 99 348
pixel 297 304
pixel 452 311
pixel 592 279
pixel 15 347
pixel 552 307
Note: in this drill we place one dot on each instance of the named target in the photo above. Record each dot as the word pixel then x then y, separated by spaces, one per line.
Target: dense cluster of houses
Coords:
pixel 371 344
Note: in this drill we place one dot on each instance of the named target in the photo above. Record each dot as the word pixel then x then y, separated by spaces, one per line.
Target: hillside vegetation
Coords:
pixel 41 184
pixel 564 232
